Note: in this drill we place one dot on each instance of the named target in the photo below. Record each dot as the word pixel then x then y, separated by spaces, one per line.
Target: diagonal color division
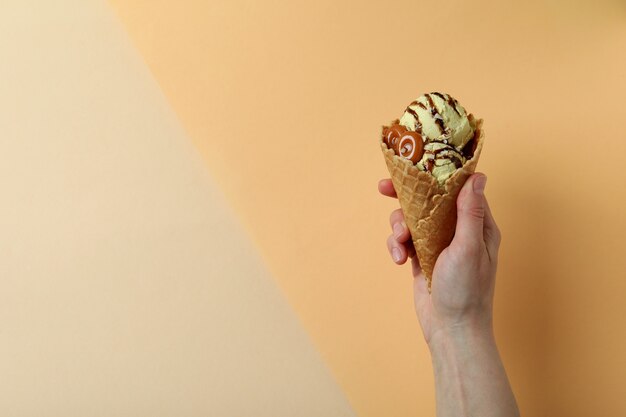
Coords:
pixel 285 99
pixel 127 288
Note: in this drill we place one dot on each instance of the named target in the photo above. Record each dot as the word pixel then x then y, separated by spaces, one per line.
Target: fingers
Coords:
pixel 399 242
pixel 471 212
pixel 398 251
pixel 491 233
pixel 400 230
pixel 385 187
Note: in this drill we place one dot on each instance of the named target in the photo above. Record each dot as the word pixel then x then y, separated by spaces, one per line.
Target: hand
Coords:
pixel 464 275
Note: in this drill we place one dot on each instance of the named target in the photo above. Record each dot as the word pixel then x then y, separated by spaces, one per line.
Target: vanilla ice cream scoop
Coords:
pixel 441 160
pixel 438 116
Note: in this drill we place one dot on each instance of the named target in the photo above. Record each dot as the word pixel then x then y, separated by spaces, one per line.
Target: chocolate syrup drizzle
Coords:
pixel 430 162
pixel 435 113
pixel 450 100
pixel 418 124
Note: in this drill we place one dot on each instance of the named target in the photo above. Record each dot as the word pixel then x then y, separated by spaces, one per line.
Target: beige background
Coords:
pixel 127 288
pixel 285 99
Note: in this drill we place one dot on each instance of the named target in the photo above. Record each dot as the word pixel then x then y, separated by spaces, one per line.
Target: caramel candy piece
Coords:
pixel 411 146
pixel 392 135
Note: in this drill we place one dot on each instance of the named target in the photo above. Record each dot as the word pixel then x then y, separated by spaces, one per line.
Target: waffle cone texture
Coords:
pixel 430 208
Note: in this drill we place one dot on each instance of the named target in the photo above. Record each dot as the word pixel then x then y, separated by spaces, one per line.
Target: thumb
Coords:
pixel 471 211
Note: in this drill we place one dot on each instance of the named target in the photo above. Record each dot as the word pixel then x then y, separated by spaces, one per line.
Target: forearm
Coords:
pixel 470 380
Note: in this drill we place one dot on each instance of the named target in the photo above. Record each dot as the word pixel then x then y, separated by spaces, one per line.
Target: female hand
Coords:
pixel 464 275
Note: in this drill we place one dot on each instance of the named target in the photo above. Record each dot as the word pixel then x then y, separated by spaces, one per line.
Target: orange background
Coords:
pixel 129 285
pixel 285 99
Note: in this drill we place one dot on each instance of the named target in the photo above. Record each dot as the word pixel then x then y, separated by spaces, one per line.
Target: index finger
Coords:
pixel 385 187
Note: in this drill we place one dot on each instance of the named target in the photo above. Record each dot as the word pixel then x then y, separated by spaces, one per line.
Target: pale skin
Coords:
pixel 457 317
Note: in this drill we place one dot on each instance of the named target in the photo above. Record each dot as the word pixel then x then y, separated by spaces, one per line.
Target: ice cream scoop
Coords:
pixel 438 116
pixel 441 160
pixel 445 130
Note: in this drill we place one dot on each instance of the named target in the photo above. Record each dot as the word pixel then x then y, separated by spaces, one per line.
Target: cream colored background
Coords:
pixel 285 99
pixel 127 288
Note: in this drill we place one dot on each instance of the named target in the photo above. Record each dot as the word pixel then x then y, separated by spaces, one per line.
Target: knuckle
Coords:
pixel 471 251
pixel 475 211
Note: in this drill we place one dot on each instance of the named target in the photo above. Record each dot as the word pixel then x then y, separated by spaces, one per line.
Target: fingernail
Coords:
pixel 479 184
pixel 398 229
pixel 396 255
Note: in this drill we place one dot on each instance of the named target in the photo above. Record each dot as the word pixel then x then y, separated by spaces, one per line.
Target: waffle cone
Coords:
pixel 430 208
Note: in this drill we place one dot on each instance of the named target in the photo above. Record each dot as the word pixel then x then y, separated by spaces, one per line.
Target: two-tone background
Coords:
pixel 189 222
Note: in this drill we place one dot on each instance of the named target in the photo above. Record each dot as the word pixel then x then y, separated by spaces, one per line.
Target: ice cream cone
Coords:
pixel 430 208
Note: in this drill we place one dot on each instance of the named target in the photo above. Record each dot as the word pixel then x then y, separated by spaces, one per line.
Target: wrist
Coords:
pixel 469 375
pixel 465 335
